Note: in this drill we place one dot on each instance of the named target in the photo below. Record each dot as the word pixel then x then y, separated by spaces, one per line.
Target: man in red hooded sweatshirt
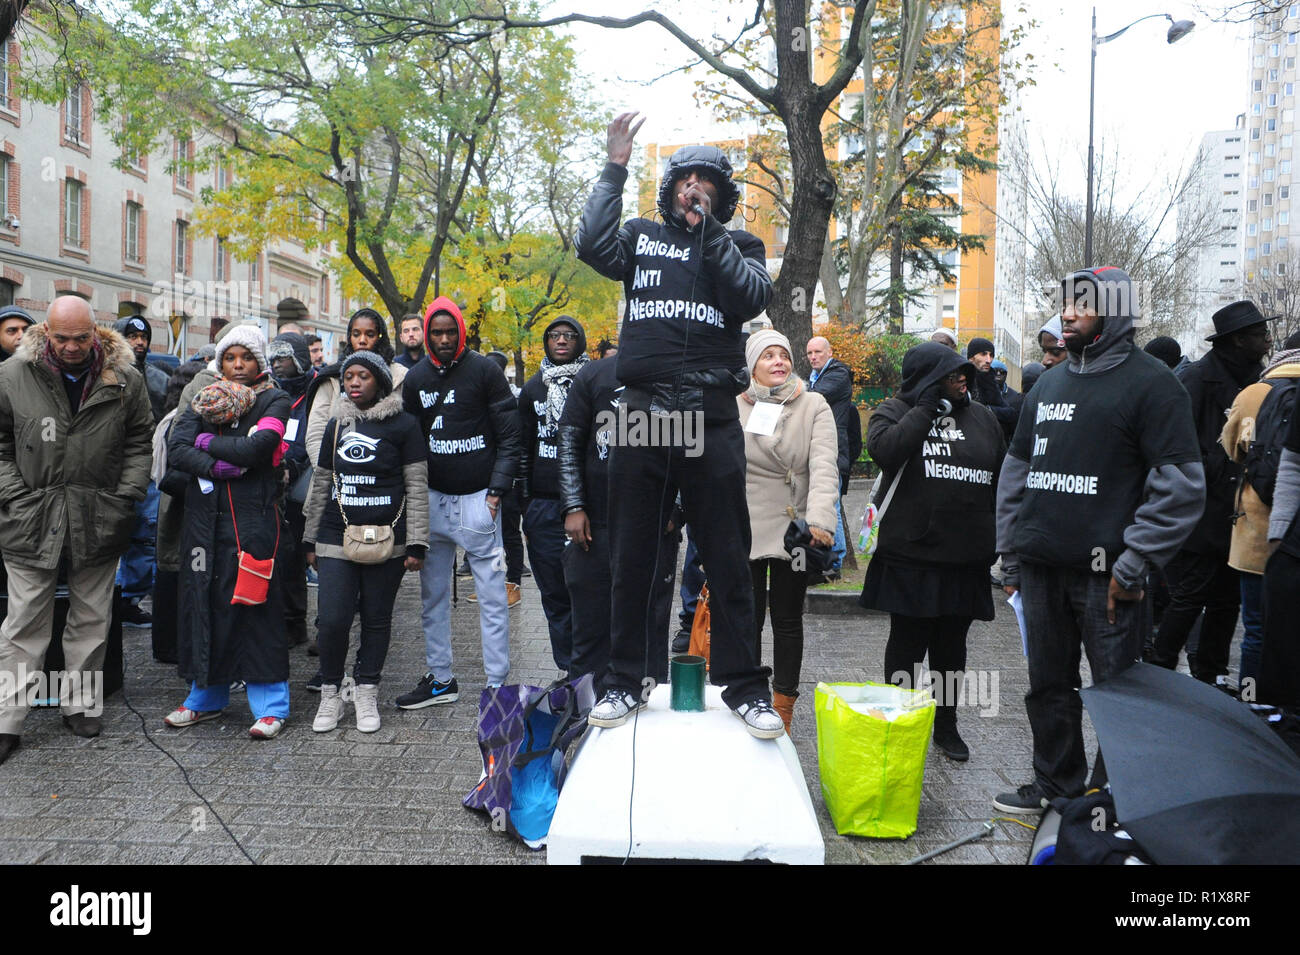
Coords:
pixel 471 422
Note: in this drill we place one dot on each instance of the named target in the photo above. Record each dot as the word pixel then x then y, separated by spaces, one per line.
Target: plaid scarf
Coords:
pixel 91 371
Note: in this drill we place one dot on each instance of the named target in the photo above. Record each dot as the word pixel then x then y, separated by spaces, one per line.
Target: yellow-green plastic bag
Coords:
pixel 871 744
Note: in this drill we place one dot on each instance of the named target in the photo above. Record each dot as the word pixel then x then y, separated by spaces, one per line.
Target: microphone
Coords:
pixel 699 210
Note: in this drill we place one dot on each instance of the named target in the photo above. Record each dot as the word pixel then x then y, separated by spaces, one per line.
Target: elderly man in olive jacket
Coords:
pixel 75 450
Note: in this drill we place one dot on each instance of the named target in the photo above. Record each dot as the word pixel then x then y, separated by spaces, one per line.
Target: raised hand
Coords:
pixel 619 136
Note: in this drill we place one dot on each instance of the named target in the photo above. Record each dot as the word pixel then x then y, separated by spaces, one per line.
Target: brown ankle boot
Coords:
pixel 784 705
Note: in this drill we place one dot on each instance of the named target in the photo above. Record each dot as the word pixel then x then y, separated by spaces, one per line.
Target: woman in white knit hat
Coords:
pixel 791 473
pixel 224 455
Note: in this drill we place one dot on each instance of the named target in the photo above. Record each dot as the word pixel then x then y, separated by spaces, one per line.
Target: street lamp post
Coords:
pixel 1177 30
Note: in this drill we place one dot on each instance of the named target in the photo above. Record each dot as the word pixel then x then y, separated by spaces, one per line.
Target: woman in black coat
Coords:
pixel 224 454
pixel 940 454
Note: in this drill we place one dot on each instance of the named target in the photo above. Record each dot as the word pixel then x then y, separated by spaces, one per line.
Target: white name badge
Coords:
pixel 206 486
pixel 763 419
pixel 291 429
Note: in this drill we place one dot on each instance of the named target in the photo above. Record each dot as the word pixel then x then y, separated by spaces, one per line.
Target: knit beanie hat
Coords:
pixel 134 323
pixel 998 365
pixel 760 341
pixel 13 311
pixel 978 345
pixel 249 337
pixel 1165 348
pixel 373 363
pixel 290 345
pixel 948 337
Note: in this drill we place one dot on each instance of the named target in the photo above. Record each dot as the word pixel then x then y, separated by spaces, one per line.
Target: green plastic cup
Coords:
pixel 686 673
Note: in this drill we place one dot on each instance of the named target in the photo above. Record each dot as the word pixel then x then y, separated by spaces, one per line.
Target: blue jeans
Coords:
pixel 838 548
pixel 692 581
pixel 136 571
pixel 264 699
pixel 463 520
pixel 1252 619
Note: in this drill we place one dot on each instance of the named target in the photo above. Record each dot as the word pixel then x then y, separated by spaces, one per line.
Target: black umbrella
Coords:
pixel 1197 778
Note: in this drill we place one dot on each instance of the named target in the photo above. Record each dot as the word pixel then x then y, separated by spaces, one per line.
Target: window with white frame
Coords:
pixel 72 113
pixel 132 232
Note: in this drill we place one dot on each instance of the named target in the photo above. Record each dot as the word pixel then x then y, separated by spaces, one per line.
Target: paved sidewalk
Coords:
pixel 394 796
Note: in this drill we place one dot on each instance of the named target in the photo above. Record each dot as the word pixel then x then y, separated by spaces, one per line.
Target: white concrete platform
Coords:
pixel 705 790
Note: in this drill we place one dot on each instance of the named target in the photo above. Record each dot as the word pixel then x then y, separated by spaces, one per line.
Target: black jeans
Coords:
pixel 587 573
pixel 1196 582
pixel 1279 657
pixel 1063 608
pixel 291 566
pixel 511 538
pixel 787 589
pixel 343 585
pixel 645 481
pixel 944 638
pixel 544 526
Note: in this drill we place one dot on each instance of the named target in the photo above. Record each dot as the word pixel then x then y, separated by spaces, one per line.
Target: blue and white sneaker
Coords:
pixel 429 692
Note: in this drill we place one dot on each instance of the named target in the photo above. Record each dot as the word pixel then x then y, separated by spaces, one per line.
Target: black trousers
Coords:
pixel 587 573
pixel 1279 657
pixel 511 538
pixel 778 586
pixel 166 610
pixel 1199 582
pixel 291 566
pixel 944 639
pixel 644 482
pixel 344 586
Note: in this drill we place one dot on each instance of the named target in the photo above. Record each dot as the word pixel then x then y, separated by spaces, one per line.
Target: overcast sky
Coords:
pixel 1153 99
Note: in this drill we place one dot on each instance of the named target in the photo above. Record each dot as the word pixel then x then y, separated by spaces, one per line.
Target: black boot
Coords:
pixel 8 743
pixel 946 736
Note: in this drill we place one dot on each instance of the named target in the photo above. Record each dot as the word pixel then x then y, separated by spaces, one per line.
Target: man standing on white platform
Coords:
pixel 690 285
pixel 471 423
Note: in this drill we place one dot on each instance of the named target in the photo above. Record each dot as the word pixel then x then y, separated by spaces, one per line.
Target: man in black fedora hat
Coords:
pixel 1200 579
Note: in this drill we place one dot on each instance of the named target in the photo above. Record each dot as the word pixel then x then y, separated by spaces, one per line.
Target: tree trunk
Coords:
pixel 895 280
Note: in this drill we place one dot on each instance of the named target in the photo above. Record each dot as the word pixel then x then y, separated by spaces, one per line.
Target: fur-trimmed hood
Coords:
pixel 390 406
pixel 118 354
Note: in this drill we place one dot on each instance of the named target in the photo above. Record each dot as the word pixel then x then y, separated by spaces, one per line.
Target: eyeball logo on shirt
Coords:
pixel 358 448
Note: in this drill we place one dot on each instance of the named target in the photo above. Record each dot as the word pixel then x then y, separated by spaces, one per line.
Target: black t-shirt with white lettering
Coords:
pixel 1091 441
pixel 368 461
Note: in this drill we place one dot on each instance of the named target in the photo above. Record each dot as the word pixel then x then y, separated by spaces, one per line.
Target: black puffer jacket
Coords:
pixel 688 294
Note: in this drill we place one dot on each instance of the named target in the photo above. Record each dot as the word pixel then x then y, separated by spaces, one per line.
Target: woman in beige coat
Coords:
pixel 791 473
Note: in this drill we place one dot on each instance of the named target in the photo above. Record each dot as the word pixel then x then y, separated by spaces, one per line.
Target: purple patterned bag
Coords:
pixel 524 734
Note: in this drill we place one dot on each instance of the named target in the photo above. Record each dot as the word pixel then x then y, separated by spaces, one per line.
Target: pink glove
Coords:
pixel 225 471
pixel 203 440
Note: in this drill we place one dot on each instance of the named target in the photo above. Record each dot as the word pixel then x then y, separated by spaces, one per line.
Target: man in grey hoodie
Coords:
pixel 1103 479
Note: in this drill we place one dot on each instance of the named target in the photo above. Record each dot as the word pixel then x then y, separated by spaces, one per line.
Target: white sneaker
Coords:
pixel 761 719
pixel 267 727
pixel 613 709
pixel 330 710
pixel 365 698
